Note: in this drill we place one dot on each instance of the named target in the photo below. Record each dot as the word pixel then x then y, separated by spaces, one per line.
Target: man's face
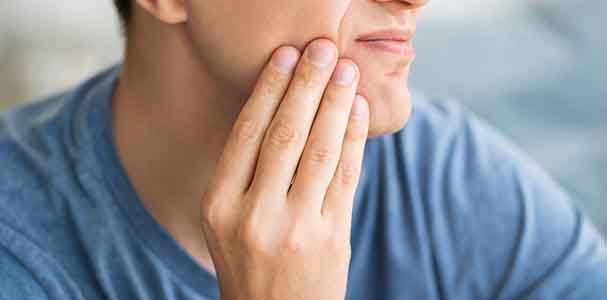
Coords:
pixel 234 38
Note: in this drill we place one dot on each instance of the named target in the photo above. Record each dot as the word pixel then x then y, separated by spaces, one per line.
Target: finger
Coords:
pixel 237 164
pixel 287 134
pixel 323 148
pixel 340 194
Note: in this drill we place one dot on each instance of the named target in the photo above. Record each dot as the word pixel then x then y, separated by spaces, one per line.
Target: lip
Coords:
pixel 395 41
pixel 401 48
pixel 394 34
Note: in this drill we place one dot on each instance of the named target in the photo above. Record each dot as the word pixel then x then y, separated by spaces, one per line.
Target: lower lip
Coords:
pixel 402 48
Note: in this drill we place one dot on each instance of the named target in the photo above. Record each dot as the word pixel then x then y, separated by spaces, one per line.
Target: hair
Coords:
pixel 124 11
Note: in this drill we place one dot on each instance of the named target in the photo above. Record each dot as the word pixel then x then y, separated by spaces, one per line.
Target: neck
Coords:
pixel 171 120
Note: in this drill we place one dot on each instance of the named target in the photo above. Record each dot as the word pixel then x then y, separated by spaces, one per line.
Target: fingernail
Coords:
pixel 285 59
pixel 344 73
pixel 359 108
pixel 321 52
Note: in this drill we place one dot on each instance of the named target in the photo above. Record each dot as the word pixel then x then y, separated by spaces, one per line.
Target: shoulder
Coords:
pixel 446 142
pixel 41 139
pixel 457 165
pixel 29 141
pixel 36 160
pixel 38 172
pixel 40 188
pixel 492 212
pixel 443 123
pixel 28 146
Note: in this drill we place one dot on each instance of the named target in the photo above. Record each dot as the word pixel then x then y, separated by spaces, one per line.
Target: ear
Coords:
pixel 168 11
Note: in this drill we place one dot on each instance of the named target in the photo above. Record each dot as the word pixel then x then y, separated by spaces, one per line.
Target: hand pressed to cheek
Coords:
pixel 267 225
pixel 233 39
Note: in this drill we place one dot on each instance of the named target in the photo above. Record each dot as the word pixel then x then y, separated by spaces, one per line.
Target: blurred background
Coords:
pixel 535 69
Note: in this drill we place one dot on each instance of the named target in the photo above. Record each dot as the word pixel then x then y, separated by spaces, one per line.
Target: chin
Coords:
pixel 389 109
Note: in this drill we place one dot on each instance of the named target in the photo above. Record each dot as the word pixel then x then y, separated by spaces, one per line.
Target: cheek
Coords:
pixel 235 48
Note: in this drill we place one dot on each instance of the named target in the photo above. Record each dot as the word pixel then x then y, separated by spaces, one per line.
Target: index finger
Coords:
pixel 236 166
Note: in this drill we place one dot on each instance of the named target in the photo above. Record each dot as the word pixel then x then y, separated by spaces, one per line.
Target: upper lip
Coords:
pixel 394 34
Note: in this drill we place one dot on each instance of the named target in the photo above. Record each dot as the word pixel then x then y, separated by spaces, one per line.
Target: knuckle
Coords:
pixel 338 246
pixel 212 217
pixel 251 237
pixel 246 130
pixel 321 154
pixel 347 173
pixel 282 134
pixel 296 243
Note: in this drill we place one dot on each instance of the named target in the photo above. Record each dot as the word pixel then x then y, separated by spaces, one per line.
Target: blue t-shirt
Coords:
pixel 446 209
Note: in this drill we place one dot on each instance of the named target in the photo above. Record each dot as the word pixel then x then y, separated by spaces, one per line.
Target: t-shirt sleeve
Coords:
pixel 16 281
pixel 502 227
pixel 555 250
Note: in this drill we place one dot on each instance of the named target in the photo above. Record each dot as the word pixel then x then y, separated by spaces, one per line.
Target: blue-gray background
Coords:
pixel 534 69
pixel 538 71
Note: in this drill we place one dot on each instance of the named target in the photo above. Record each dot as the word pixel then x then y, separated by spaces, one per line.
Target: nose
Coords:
pixel 411 4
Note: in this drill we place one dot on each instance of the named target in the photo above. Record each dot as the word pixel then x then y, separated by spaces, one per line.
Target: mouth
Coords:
pixel 393 41
pixel 401 48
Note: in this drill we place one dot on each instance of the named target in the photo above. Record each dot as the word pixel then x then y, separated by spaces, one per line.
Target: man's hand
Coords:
pixel 270 239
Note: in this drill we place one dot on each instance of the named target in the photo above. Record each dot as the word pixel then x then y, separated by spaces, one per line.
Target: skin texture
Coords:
pixel 210 134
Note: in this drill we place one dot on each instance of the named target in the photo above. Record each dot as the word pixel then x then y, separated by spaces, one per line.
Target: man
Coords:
pixel 228 158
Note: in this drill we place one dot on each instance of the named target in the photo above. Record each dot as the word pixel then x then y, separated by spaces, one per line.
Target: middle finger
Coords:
pixel 287 134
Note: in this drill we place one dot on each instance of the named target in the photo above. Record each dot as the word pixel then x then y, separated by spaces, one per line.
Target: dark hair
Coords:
pixel 124 10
